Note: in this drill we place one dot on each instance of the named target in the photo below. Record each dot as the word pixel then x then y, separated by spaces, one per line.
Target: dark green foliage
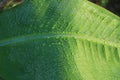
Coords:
pixel 59 40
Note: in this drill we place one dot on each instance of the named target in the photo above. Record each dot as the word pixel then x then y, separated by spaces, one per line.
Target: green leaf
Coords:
pixel 59 40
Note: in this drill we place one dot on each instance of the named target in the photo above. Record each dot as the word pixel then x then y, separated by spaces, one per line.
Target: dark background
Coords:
pixel 112 5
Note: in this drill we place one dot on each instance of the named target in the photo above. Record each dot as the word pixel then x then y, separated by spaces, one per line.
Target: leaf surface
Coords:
pixel 59 40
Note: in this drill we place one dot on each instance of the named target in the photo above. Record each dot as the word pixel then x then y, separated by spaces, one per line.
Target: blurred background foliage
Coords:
pixel 111 5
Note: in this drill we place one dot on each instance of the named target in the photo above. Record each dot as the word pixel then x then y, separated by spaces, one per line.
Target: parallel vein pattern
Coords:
pixel 59 40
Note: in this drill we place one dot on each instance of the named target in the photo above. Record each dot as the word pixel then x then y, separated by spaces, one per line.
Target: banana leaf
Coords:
pixel 59 40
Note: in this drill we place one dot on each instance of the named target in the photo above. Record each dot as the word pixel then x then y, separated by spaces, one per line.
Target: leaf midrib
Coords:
pixel 57 35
